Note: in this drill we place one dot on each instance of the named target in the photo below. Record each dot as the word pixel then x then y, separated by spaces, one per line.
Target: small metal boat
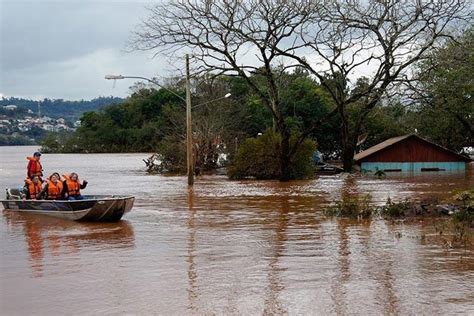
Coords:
pixel 93 208
pixel 324 168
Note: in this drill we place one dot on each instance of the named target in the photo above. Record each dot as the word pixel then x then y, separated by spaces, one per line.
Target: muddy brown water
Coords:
pixel 243 247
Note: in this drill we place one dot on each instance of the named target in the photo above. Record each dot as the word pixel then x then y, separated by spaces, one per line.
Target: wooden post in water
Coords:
pixel 189 131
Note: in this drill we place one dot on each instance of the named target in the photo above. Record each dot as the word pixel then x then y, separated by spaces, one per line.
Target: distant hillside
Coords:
pixel 69 110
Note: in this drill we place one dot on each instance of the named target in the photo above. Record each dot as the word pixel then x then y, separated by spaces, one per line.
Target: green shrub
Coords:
pixel 396 209
pixel 352 206
pixel 259 158
pixel 465 197
pixel 465 215
pixel 172 151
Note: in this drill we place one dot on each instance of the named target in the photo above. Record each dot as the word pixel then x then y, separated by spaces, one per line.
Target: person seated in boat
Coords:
pixel 34 167
pixel 53 189
pixel 33 188
pixel 72 186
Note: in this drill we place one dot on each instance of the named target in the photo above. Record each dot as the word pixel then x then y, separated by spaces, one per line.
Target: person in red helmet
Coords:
pixel 34 167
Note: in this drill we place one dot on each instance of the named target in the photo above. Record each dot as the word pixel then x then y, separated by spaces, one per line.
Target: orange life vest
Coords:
pixel 37 168
pixel 33 188
pixel 54 190
pixel 73 187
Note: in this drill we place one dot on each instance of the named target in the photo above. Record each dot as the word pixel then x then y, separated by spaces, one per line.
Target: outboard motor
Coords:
pixel 13 194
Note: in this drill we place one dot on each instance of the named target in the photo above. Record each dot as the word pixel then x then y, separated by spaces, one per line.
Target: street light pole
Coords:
pixel 119 77
pixel 189 132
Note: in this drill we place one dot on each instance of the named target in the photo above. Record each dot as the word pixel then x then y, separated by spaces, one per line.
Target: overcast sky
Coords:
pixel 63 48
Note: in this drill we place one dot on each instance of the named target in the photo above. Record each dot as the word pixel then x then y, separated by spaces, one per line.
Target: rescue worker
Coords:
pixel 53 188
pixel 32 188
pixel 72 186
pixel 34 167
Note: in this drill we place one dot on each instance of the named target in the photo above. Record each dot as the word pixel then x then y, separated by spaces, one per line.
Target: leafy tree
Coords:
pixel 384 122
pixel 258 158
pixel 134 125
pixel 444 94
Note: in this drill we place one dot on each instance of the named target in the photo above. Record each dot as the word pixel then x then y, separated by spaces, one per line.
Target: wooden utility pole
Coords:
pixel 189 131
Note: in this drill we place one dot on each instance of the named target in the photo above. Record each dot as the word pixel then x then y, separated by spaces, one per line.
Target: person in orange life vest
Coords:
pixel 33 188
pixel 53 188
pixel 72 186
pixel 34 167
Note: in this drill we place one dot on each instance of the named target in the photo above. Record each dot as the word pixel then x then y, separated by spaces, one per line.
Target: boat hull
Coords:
pixel 92 208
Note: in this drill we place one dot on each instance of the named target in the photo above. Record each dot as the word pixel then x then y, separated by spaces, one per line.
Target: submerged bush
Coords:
pixel 258 158
pixel 466 198
pixel 352 206
pixel 465 215
pixel 172 152
pixel 396 209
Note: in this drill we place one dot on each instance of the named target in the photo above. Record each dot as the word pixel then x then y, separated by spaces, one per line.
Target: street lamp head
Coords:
pixel 114 77
pixel 227 95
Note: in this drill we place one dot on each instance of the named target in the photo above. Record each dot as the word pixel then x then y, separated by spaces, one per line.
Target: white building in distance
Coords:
pixel 10 107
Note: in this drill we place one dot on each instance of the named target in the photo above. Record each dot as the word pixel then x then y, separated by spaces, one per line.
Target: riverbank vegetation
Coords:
pixel 352 206
pixel 460 207
pixel 457 210
pixel 305 104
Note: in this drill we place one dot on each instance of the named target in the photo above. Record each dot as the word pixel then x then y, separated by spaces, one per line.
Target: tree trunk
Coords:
pixel 348 156
pixel 285 156
pixel 348 147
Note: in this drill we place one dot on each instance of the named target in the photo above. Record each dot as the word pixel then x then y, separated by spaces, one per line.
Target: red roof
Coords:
pixel 394 140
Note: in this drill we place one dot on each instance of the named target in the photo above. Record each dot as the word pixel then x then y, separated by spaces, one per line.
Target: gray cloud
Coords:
pixel 62 49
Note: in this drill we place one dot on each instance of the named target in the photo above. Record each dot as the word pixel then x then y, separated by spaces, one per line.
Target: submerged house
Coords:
pixel 409 153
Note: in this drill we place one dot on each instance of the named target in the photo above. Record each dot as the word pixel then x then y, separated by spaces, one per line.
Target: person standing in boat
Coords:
pixel 53 189
pixel 34 167
pixel 32 188
pixel 72 186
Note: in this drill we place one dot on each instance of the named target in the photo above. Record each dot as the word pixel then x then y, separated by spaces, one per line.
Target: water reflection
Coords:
pixel 340 281
pixel 191 248
pixel 386 288
pixel 56 237
pixel 272 304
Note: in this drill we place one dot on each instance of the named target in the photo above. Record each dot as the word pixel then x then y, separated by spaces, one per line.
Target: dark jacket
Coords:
pixel 65 190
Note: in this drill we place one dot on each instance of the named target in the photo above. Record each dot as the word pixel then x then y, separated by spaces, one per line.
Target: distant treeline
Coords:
pixel 55 108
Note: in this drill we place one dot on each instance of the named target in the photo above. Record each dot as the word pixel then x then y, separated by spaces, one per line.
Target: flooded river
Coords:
pixel 243 247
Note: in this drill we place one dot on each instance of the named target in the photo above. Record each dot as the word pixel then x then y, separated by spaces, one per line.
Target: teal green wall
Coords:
pixel 412 166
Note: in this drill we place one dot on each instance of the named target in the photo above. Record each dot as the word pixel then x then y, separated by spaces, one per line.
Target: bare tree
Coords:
pixel 361 50
pixel 209 125
pixel 358 49
pixel 235 38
